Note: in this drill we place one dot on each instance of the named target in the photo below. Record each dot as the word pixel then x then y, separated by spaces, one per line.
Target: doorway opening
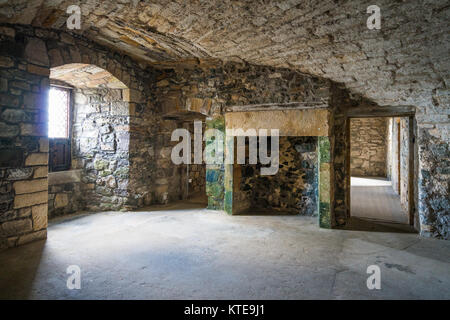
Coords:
pixel 382 169
pixel 189 179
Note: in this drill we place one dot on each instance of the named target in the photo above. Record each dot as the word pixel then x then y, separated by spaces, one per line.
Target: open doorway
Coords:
pixel 381 168
pixel 189 178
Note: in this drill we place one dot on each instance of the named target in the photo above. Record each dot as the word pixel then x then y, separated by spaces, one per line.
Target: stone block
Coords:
pixel 27 238
pixel 30 199
pixel 9 32
pixel 15 214
pixel 37 159
pixel 42 71
pixel 8 131
pixel 19 173
pixel 12 158
pixel 35 100
pixel 36 52
pixel 162 83
pixel 111 182
pixel 55 57
pixel 61 200
pixel 39 216
pixel 63 177
pixel 100 164
pixel 36 130
pixel 126 95
pixel 43 145
pixel 15 227
pixel 8 100
pixel 136 96
pixel 15 116
pixel 40 172
pixel 120 109
pixel 6 62
pixel 3 85
pixel 30 186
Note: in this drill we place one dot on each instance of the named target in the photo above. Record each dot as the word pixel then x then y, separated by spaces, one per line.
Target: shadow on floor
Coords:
pixel 361 224
pixel 193 202
pixel 264 212
pixel 18 270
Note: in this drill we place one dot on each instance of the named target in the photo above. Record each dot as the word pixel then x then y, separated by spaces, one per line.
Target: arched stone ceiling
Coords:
pixel 406 62
pixel 81 75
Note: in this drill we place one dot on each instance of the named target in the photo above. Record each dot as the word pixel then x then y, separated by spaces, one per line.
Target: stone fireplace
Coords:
pixel 303 181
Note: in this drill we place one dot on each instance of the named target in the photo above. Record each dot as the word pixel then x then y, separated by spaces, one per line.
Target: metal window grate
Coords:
pixel 58 113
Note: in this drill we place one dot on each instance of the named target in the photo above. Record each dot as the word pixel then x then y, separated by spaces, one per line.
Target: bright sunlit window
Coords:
pixel 58 113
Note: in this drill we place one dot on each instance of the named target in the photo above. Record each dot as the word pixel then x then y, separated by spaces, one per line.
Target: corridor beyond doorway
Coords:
pixel 382 169
pixel 375 199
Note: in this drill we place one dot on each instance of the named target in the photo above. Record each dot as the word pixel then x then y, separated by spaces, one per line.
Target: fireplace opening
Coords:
pixel 293 190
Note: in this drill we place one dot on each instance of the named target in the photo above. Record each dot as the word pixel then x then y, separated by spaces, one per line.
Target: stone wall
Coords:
pixel 395 159
pixel 26 56
pixel 434 186
pixel 100 147
pixel 24 70
pixel 208 87
pixel 293 189
pixel 389 147
pixel 404 163
pixel 65 193
pixel 368 147
pixel 400 160
pixel 197 177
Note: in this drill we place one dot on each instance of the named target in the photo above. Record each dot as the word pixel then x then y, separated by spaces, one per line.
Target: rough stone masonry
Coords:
pixel 178 58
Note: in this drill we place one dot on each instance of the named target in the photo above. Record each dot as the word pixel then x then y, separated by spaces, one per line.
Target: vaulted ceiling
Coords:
pixel 404 62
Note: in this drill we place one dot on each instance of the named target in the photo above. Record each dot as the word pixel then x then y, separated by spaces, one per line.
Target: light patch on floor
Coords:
pixel 183 252
pixel 370 182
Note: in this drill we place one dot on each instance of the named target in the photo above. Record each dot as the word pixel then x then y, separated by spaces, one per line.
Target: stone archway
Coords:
pixel 27 56
pixel 99 142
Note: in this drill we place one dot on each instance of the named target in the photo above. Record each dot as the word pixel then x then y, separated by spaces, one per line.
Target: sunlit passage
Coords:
pixel 374 198
pixel 381 169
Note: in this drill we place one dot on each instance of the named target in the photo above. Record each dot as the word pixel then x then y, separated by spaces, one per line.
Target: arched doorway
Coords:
pixel 89 135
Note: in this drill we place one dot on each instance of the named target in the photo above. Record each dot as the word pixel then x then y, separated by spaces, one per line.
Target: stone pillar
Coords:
pixel 324 183
pixel 24 72
pixel 215 187
pixel 229 173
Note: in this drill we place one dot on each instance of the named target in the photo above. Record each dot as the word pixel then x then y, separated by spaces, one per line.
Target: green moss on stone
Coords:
pixel 324 215
pixel 229 202
pixel 324 149
pixel 100 164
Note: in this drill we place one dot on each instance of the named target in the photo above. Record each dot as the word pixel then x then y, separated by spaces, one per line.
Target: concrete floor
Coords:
pixel 375 199
pixel 183 252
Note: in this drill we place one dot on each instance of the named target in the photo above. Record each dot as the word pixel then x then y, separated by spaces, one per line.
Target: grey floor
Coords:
pixel 184 252
pixel 375 199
